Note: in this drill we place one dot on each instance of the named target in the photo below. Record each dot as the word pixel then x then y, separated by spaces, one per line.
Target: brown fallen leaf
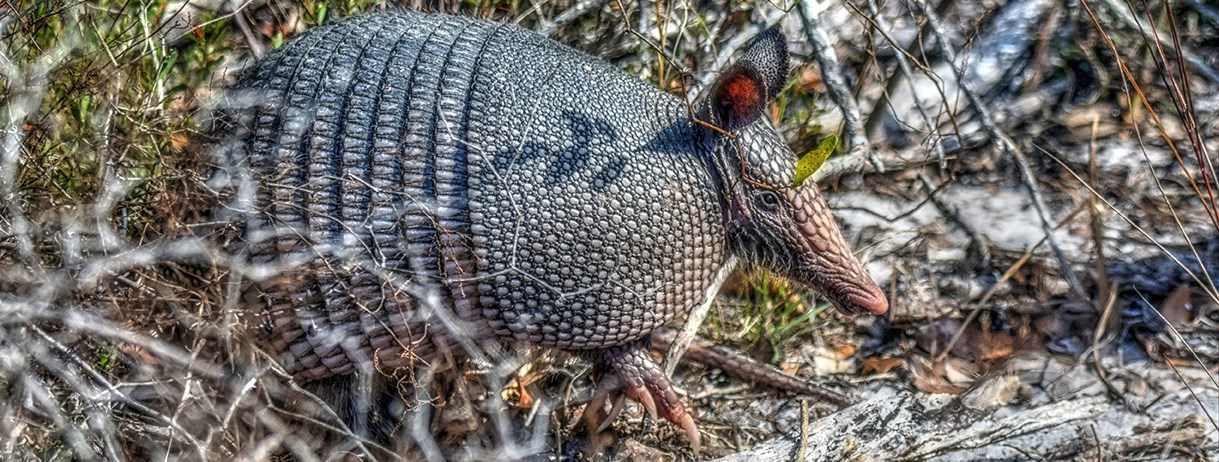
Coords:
pixel 1177 308
pixel 524 399
pixel 881 365
pixel 931 378
pixel 992 393
pixel 845 351
pixel 634 451
pixel 989 346
pixel 1182 362
pixel 178 141
pixel 974 343
pixel 790 366
pixel 808 78
pixel 516 391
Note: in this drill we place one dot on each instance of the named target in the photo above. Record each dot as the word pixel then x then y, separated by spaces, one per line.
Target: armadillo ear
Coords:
pixel 741 94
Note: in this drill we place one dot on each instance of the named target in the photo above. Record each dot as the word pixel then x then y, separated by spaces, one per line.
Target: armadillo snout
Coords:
pixel 825 261
pixel 871 301
pixel 844 283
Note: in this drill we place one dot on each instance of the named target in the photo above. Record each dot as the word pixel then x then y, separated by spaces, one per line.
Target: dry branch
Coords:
pixel 909 426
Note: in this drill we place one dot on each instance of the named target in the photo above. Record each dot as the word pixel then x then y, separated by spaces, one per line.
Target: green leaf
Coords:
pixel 106 358
pixel 319 15
pixel 82 108
pixel 167 65
pixel 812 160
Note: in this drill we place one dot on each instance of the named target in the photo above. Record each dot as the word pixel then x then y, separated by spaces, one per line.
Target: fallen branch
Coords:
pixel 910 426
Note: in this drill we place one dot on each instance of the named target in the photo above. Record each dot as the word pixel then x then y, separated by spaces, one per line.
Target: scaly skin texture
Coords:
pixel 431 182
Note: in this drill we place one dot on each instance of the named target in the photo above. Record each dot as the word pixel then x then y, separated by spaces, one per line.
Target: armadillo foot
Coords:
pixel 630 371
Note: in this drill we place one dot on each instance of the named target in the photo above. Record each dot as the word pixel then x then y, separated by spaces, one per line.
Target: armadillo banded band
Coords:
pixel 354 140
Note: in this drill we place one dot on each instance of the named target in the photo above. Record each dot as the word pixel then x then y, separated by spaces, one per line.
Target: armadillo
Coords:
pixel 424 180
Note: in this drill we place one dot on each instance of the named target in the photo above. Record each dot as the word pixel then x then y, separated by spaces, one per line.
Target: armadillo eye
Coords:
pixel 769 200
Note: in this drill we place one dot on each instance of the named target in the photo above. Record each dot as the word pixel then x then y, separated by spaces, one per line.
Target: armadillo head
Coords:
pixel 771 223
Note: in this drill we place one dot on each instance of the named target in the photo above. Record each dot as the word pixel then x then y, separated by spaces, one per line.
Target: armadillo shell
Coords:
pixel 414 180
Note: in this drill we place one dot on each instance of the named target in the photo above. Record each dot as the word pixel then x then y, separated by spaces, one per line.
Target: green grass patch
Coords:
pixel 766 314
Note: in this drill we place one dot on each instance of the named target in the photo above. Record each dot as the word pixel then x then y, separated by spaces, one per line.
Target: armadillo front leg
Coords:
pixel 630 369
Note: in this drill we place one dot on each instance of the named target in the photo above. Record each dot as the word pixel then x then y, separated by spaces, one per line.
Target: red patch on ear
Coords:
pixel 740 96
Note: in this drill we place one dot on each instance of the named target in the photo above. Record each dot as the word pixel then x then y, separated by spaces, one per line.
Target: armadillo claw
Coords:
pixel 670 408
pixel 619 404
pixel 687 423
pixel 644 397
pixel 630 370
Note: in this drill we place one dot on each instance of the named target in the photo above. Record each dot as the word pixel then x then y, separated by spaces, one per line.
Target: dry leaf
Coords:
pixel 929 378
pixel 845 351
pixel 827 361
pixel 808 79
pixel 1177 308
pixel 880 365
pixel 525 400
pixel 178 141
pixel 959 371
pixel 517 392
pixel 988 346
pixel 634 451
pixel 974 343
pixel 1182 362
pixel 996 392
pixel 790 366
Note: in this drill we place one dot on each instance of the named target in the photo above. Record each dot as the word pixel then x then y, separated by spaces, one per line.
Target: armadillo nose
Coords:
pixel 872 301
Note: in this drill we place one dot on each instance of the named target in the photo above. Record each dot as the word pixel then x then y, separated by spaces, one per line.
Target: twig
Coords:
pixel 96 326
pixel 338 427
pixel 911 211
pixel 673 62
pixel 1008 146
pixel 37 393
pixel 1011 271
pixel 836 84
pixel 977 240
pixel 1205 10
pixel 114 391
pixel 23 96
pixel 244 26
pixel 737 364
pixel 1206 287
pixel 685 335
pixel 421 421
pixel 1212 211
pixel 1094 350
pixel 569 15
pixel 803 430
pixel 1199 64
pixel 1192 392
pixel 904 60
pixel 722 391
pixel 1211 289
pixel 842 165
pixel 644 25
pixel 211 21
pixel 730 49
